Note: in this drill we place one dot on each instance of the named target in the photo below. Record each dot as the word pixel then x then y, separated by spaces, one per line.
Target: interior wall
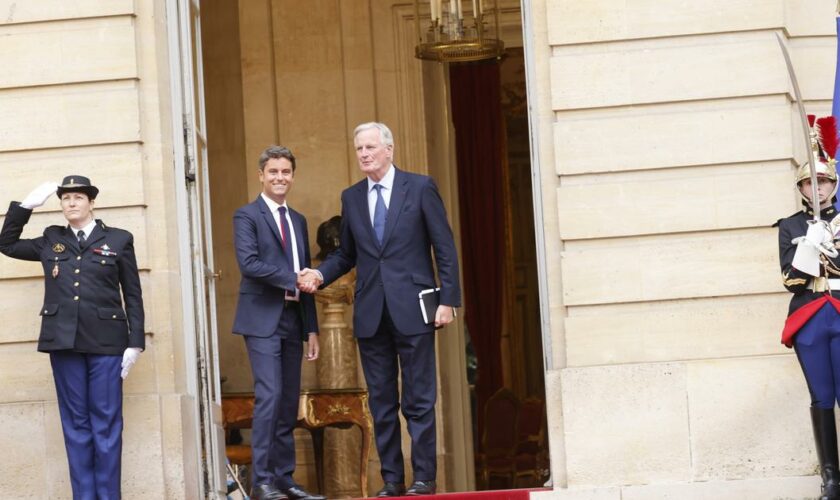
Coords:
pixel 229 175
pixel 524 351
pixel 345 65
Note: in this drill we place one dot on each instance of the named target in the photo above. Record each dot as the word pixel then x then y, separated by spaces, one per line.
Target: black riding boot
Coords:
pixel 825 435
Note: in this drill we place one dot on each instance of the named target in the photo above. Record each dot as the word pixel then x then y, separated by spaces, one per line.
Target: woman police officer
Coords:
pixel 91 325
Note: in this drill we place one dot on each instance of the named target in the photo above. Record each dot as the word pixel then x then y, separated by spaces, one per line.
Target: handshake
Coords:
pixel 309 280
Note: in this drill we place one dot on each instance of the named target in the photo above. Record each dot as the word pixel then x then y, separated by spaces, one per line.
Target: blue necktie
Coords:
pixel 285 237
pixel 379 213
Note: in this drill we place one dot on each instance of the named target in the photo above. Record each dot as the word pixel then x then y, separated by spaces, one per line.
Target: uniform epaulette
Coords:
pixel 776 224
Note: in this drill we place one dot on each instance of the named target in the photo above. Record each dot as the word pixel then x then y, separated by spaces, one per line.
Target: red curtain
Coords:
pixel 479 142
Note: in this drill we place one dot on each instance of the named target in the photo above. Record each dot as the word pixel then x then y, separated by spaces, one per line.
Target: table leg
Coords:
pixel 318 448
pixel 365 428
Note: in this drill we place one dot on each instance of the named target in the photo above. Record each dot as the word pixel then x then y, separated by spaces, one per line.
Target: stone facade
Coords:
pixel 665 139
pixel 668 378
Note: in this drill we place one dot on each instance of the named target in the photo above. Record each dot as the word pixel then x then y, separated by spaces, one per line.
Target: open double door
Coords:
pixel 198 278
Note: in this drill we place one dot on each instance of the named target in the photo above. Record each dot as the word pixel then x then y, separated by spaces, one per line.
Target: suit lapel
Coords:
pixel 398 196
pixel 364 210
pixel 297 227
pixel 270 220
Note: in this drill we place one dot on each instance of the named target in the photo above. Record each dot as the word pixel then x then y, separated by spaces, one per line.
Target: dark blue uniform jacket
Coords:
pixel 92 297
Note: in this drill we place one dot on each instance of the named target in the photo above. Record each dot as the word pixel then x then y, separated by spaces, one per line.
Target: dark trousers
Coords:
pixel 275 364
pixel 384 356
pixel 817 346
pixel 89 391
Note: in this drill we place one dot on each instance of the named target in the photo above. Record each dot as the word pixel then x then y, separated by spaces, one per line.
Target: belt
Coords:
pixel 296 303
pixel 823 284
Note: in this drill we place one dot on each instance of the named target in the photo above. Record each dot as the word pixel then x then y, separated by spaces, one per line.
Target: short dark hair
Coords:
pixel 276 152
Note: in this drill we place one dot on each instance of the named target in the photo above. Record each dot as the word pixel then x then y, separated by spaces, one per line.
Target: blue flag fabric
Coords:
pixel 835 103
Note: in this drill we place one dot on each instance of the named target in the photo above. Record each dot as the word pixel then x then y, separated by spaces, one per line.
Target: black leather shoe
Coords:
pixel 391 490
pixel 418 488
pixel 266 492
pixel 298 493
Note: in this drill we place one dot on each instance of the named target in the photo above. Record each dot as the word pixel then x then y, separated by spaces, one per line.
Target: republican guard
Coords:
pixel 808 243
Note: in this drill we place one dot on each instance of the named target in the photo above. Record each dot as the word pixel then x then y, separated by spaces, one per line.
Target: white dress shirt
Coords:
pixel 87 229
pixel 387 184
pixel 290 238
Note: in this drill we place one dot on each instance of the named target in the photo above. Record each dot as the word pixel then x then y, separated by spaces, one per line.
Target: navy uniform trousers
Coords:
pixel 89 390
pixel 275 365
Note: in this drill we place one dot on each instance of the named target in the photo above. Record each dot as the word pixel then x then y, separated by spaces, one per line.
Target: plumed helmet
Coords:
pixel 824 145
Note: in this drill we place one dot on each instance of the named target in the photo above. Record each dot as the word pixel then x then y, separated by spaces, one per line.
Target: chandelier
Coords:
pixel 451 36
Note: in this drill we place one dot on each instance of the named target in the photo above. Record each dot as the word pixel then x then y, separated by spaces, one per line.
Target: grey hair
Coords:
pixel 275 153
pixel 384 132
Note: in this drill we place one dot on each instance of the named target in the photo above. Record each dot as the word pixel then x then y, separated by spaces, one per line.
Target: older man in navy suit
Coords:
pixel 390 223
pixel 275 318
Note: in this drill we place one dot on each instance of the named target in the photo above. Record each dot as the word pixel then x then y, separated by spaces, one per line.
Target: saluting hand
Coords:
pixel 39 195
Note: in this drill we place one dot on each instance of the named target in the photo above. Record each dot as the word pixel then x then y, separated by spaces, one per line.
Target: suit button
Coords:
pixel 103 261
pixel 114 316
pixel 76 284
pixel 78 257
pixel 76 297
pixel 45 311
pixel 76 271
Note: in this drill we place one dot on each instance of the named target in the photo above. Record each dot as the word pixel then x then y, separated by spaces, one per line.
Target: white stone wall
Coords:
pixel 81 93
pixel 673 139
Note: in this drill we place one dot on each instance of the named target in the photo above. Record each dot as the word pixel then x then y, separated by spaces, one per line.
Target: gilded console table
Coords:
pixel 318 409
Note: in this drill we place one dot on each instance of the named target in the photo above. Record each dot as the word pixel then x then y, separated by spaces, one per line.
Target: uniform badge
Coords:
pixel 58 248
pixel 55 267
pixel 105 250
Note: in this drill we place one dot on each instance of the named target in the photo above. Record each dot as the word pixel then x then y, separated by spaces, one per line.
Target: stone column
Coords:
pixel 337 368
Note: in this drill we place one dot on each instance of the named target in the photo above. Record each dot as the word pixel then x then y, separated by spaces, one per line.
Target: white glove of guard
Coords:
pixel 807 257
pixel 39 195
pixel 818 239
pixel 130 357
pixel 818 234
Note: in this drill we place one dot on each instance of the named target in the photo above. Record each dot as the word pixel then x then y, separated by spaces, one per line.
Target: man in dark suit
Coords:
pixel 91 325
pixel 390 222
pixel 272 245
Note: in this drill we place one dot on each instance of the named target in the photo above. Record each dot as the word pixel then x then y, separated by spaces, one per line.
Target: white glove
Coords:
pixel 39 195
pixel 818 239
pixel 807 257
pixel 818 233
pixel 130 357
